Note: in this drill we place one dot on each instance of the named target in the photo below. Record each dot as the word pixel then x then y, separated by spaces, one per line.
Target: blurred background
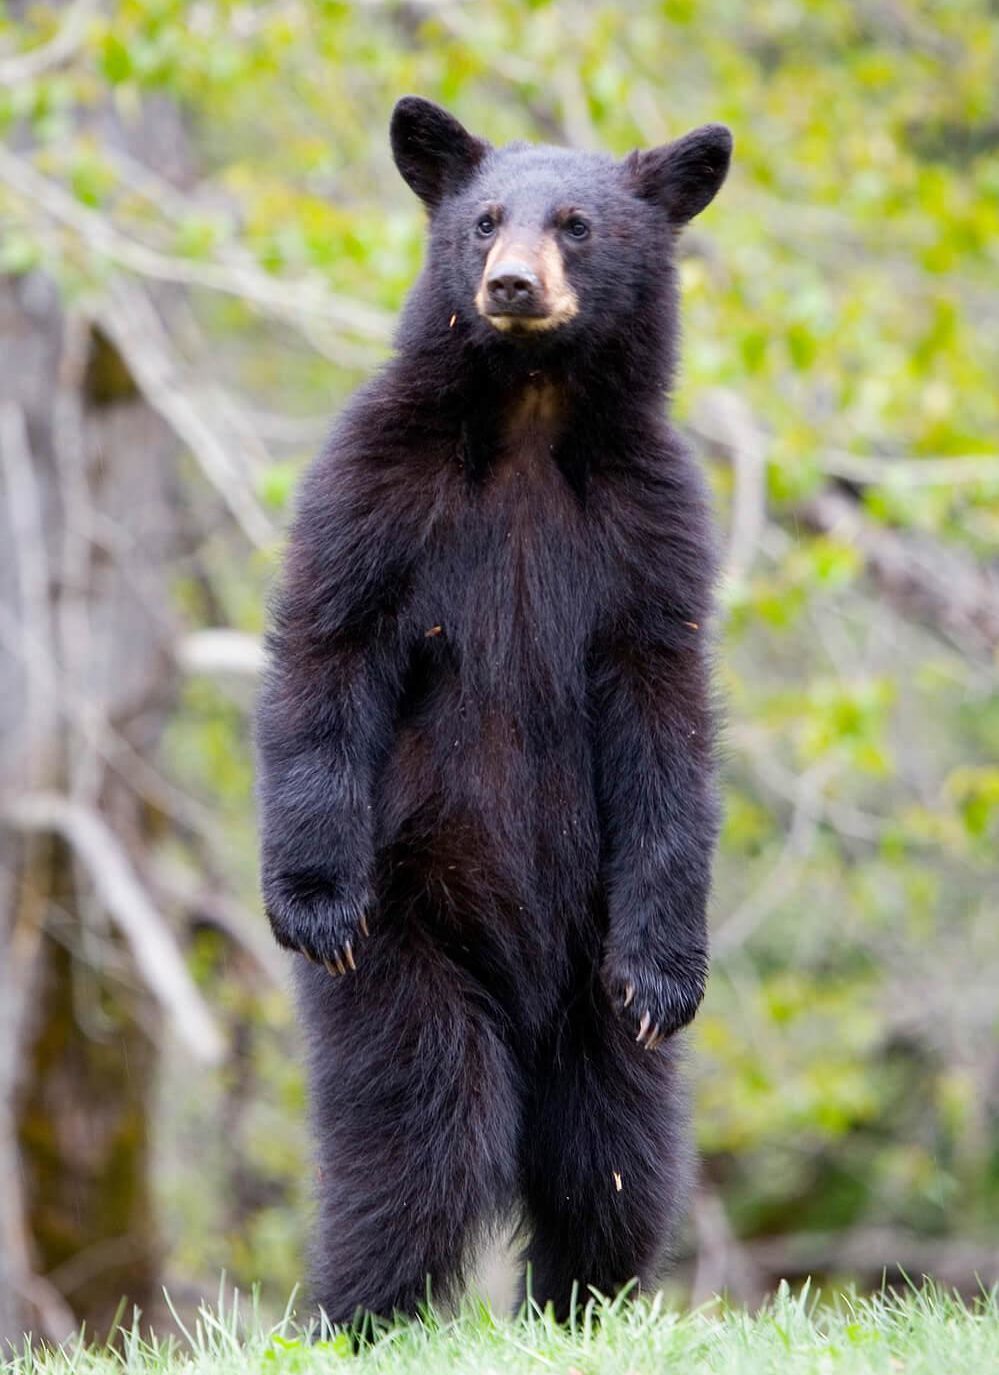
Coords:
pixel 202 245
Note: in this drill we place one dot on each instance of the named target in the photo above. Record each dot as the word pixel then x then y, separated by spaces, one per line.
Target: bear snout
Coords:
pixel 514 288
pixel 524 288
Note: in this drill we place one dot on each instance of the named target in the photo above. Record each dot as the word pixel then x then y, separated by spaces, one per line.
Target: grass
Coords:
pixel 926 1332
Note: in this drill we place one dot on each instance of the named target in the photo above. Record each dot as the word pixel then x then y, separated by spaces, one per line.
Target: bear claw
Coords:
pixel 653 1002
pixel 340 962
pixel 649 1035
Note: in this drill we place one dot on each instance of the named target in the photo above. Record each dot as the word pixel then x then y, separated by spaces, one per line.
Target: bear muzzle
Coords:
pixel 524 288
pixel 513 288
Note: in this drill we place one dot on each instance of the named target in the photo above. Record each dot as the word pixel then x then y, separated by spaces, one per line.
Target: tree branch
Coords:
pixel 220 652
pixel 924 578
pixel 724 420
pixel 26 525
pixel 153 946
pixel 201 901
pixel 911 472
pixel 870 1251
pixel 798 843
pixel 128 318
pixel 289 300
pixel 26 66
pixel 113 747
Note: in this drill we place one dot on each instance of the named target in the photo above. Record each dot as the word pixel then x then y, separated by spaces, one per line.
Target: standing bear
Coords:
pixel 486 775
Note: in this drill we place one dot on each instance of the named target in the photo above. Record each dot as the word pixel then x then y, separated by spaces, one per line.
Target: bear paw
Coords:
pixel 320 925
pixel 655 1002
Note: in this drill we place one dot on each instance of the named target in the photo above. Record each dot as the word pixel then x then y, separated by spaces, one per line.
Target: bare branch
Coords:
pixel 911 472
pixel 326 336
pixel 725 421
pixel 228 914
pixel 805 820
pixel 26 66
pixel 848 821
pixel 289 300
pixel 79 646
pixel 221 652
pixel 130 321
pixel 869 1251
pixel 26 525
pixel 573 103
pixel 113 747
pixel 153 946
pixel 722 1262
pixel 83 1266
pixel 921 637
pixel 926 579
pixel 54 1313
pixel 289 429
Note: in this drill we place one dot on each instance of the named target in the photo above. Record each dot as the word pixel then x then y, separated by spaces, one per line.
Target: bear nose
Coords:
pixel 513 287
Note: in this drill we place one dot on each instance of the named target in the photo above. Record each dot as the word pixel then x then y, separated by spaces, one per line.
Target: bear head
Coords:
pixel 541 247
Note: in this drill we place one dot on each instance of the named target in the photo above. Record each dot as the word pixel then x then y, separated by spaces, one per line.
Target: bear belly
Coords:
pixel 488 853
pixel 488 838
pixel 491 821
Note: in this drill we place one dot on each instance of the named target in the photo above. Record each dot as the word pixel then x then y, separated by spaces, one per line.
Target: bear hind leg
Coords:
pixel 606 1166
pixel 415 1117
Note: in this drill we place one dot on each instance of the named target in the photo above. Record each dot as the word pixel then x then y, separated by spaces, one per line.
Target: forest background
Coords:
pixel 202 247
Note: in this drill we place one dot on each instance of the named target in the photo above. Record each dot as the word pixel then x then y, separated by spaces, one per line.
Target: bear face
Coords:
pixel 536 248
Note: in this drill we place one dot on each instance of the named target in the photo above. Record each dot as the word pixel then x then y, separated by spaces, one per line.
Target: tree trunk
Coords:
pixel 83 1112
pixel 87 526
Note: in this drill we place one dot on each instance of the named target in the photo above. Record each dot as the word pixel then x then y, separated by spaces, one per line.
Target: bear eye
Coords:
pixel 486 227
pixel 577 228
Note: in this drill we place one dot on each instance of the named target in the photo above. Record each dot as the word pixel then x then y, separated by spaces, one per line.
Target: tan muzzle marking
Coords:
pixel 557 296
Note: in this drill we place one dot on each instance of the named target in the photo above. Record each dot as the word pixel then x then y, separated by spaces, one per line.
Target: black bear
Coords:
pixel 487 784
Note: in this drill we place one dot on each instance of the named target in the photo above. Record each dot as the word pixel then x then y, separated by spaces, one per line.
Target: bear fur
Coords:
pixel 485 738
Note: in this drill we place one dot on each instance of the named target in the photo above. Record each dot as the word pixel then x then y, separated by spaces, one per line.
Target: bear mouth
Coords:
pixel 522 323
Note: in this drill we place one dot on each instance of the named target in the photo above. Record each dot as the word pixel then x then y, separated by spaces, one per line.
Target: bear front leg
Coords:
pixel 323 721
pixel 659 813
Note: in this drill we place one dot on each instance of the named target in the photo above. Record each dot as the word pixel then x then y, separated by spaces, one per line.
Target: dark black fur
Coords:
pixel 487 727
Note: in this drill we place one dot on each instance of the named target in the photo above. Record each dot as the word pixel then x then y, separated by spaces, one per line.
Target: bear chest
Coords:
pixel 509 587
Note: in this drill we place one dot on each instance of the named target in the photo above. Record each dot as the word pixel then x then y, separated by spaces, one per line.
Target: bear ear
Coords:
pixel 434 153
pixel 685 176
